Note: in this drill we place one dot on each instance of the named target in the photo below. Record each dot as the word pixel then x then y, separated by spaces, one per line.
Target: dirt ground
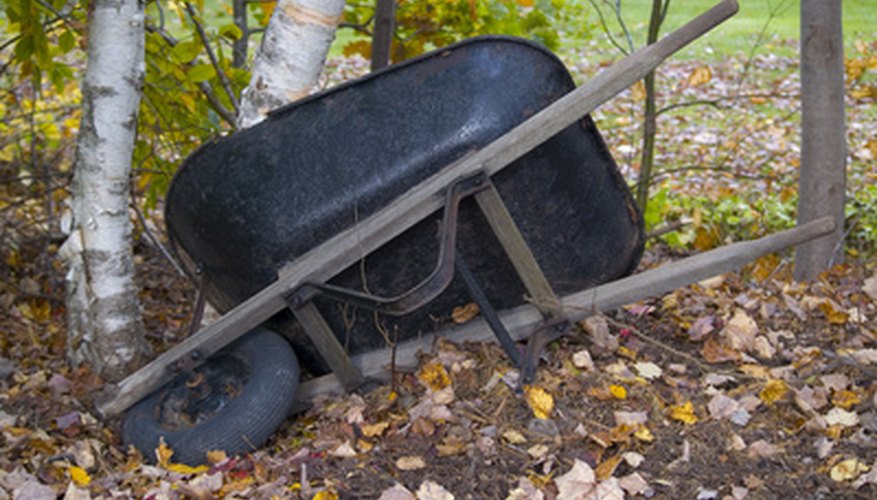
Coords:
pixel 732 388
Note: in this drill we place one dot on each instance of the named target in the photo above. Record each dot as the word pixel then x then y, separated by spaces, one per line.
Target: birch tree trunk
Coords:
pixel 104 321
pixel 291 57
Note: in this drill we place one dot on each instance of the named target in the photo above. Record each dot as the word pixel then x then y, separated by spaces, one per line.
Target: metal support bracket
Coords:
pixel 427 289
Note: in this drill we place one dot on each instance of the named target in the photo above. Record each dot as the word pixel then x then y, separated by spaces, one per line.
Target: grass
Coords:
pixel 738 34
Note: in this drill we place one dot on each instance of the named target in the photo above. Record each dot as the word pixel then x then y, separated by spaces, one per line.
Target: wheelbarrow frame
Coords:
pixel 323 261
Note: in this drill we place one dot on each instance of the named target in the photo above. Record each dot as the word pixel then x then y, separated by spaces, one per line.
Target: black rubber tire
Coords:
pixel 246 416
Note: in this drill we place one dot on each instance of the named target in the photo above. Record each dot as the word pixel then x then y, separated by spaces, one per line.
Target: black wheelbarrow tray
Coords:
pixel 365 198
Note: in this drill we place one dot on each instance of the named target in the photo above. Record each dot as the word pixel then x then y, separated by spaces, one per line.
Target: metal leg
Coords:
pixel 489 313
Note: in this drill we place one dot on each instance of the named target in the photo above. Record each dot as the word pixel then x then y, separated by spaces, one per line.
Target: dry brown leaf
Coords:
pixel 411 462
pixel 607 467
pixel 714 352
pixel 700 76
pixel 466 313
pixel 577 483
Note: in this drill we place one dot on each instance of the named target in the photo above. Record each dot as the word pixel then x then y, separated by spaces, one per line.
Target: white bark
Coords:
pixel 104 322
pixel 291 57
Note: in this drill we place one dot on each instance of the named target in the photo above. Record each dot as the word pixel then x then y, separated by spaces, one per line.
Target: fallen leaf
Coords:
pixel 774 390
pixel 714 352
pixel 841 417
pixel 845 399
pixel 598 329
pixel 644 434
pixel 648 370
pixel 216 456
pixel 763 449
pixel 79 476
pixel 870 287
pixel 848 470
pixel 434 376
pixel 700 76
pixel 634 484
pixel 684 413
pixel 540 401
pixel 582 359
pixel 466 313
pixel 397 492
pixel 372 430
pixel 835 314
pixel 525 491
pixel 576 484
pixel 325 495
pixel 607 467
pixel 411 462
pixel 538 451
pixel 514 437
pixel 740 331
pixel 722 406
pixel 835 382
pixel 186 470
pixel 430 490
pixel 631 418
pixel 344 450
pixel 633 459
pixel 618 391
pixel 702 327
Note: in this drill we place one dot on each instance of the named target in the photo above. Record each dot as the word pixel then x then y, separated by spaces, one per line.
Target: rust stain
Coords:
pixel 302 15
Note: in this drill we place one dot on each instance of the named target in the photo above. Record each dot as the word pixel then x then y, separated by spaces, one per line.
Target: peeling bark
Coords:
pixel 291 57
pixel 104 321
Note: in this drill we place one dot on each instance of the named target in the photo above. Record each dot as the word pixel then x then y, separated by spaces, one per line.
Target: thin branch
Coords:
pixel 623 25
pixel 206 42
pixel 225 113
pixel 715 102
pixel 164 251
pixel 606 29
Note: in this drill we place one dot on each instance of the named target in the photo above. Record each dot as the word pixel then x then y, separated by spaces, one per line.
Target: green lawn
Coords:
pixel 740 32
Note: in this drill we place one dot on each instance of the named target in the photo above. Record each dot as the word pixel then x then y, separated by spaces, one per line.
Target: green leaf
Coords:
pixel 201 72
pixel 231 31
pixel 186 52
pixel 66 42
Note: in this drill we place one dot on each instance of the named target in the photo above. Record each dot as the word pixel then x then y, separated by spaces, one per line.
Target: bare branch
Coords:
pixel 206 42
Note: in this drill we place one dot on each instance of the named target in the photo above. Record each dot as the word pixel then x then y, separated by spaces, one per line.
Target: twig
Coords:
pixel 667 228
pixel 645 338
pixel 623 25
pixel 606 29
pixel 225 113
pixel 164 251
pixel 206 42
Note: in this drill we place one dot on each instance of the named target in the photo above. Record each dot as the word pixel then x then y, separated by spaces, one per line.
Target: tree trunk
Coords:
pixel 385 27
pixel 291 56
pixel 823 134
pixel 104 324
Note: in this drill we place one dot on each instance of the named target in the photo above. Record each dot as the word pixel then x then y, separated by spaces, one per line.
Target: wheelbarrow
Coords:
pixel 338 226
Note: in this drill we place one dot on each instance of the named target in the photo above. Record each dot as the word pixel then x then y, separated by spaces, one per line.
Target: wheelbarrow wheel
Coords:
pixel 233 402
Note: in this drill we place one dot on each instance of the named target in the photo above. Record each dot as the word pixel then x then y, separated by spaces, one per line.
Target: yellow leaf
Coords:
pixel 216 456
pixel 540 401
pixel 847 470
pixel 434 376
pixel 79 476
pixel 845 399
pixel 773 391
pixel 607 467
pixel 834 314
pixel 186 469
pixel 700 76
pixel 644 434
pixel 639 90
pixel 526 3
pixel 684 413
pixel 373 430
pixel 163 453
pixel 464 314
pixel 618 391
